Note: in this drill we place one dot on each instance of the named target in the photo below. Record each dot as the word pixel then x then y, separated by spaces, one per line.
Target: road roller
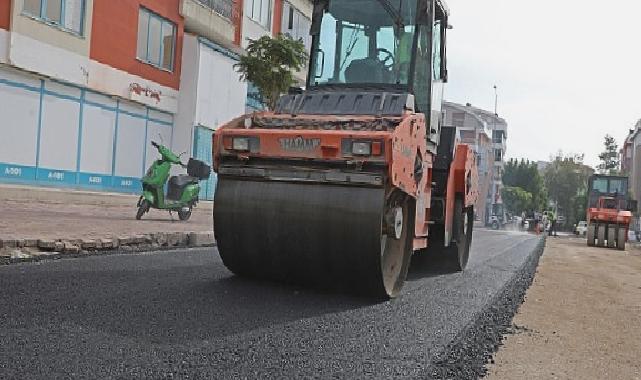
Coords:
pixel 610 211
pixel 342 183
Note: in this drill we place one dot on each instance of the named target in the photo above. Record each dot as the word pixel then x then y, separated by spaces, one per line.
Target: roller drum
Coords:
pixel 320 235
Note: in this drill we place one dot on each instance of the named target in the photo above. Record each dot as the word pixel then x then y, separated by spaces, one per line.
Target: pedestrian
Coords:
pixel 552 215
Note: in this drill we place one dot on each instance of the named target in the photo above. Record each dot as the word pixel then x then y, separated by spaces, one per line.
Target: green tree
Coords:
pixel 516 199
pixel 270 64
pixel 525 175
pixel 566 179
pixel 609 157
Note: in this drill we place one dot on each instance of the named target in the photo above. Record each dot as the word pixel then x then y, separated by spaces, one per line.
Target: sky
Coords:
pixel 567 71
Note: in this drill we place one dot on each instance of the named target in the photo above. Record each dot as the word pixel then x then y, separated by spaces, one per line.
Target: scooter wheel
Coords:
pixel 184 215
pixel 142 209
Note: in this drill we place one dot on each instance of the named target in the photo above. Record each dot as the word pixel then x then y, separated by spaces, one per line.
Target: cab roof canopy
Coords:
pixel 363 13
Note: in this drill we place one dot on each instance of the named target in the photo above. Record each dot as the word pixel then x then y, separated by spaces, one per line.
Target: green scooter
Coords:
pixel 182 190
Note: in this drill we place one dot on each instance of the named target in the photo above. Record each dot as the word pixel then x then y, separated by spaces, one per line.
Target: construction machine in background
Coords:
pixel 342 183
pixel 609 211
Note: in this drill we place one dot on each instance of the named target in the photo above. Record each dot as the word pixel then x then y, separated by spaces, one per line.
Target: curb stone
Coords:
pixel 31 250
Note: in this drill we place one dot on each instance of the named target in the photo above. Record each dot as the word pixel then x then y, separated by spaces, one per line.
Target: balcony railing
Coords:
pixel 224 8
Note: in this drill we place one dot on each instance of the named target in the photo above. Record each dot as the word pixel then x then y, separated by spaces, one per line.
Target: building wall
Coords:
pixel 115 33
pixel 5 14
pixel 211 94
pixel 478 135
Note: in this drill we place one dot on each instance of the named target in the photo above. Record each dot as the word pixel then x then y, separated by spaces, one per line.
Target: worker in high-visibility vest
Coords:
pixel 552 216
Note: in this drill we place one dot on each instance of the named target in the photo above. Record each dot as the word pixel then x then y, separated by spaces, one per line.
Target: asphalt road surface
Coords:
pixel 181 314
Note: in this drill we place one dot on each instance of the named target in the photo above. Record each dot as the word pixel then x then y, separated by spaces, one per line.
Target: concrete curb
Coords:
pixel 28 250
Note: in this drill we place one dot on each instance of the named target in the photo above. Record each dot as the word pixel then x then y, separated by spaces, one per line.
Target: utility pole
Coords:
pixel 496 101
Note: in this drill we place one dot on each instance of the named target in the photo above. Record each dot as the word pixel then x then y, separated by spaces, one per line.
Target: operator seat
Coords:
pixel 367 70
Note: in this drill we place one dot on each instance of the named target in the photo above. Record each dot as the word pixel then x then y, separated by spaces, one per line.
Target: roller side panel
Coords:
pixel 461 181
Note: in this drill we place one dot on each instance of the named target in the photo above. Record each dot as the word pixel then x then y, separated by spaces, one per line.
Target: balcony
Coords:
pixel 212 19
pixel 224 8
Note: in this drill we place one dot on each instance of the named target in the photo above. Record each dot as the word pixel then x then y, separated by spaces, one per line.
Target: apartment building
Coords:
pixel 487 134
pixel 631 160
pixel 85 85
pixel 83 90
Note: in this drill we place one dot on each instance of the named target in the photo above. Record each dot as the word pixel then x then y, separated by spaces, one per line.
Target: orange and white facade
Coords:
pixel 85 85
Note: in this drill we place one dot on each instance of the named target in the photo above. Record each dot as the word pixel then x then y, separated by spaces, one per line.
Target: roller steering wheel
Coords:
pixel 389 57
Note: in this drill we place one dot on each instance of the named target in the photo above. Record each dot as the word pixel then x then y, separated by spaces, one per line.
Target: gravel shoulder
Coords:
pixel 580 319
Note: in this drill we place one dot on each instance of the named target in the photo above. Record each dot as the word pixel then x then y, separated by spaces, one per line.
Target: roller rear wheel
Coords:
pixel 591 235
pixel 612 236
pixel 601 235
pixel 453 258
pixel 462 227
pixel 621 238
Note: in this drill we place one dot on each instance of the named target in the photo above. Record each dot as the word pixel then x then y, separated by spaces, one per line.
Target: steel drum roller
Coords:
pixel 322 235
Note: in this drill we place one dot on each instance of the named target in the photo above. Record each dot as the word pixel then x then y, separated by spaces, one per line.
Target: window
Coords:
pixel 66 14
pixel 370 50
pixel 600 185
pixel 498 155
pixel 497 137
pixel 436 50
pixel 296 25
pixel 422 89
pixel 260 11
pixel 458 119
pixel 156 40
pixel 618 186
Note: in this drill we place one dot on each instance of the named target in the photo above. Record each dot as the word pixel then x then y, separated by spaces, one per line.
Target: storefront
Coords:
pixel 63 135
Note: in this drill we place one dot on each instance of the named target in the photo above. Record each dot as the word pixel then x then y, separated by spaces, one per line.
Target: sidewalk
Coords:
pixel 580 319
pixel 44 216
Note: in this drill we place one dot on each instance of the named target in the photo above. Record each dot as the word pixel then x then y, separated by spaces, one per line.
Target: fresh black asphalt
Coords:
pixel 181 314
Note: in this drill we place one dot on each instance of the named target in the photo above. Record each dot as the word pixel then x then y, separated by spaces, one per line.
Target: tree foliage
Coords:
pixel 566 179
pixel 524 176
pixel 516 199
pixel 609 157
pixel 270 64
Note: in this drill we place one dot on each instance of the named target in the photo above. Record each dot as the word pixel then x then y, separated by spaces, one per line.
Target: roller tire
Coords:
pixel 591 235
pixel 621 238
pixel 454 258
pixel 601 230
pixel 612 236
pixel 462 227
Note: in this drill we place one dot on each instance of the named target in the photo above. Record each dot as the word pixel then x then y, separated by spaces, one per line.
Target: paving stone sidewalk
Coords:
pixel 46 219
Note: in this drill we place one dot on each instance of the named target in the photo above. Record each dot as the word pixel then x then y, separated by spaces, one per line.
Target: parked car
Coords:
pixel 581 229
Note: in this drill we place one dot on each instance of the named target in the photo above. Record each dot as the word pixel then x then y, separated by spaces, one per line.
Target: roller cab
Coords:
pixel 341 184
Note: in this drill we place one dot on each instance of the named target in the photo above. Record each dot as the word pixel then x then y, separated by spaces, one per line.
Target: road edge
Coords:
pixel 468 353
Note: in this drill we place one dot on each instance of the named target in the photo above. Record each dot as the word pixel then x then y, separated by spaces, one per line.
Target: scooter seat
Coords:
pixel 177 185
pixel 182 180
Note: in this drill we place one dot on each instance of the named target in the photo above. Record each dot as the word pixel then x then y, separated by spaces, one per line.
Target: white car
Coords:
pixel 581 229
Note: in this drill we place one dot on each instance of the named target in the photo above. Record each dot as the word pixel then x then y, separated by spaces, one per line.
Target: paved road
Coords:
pixel 182 314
